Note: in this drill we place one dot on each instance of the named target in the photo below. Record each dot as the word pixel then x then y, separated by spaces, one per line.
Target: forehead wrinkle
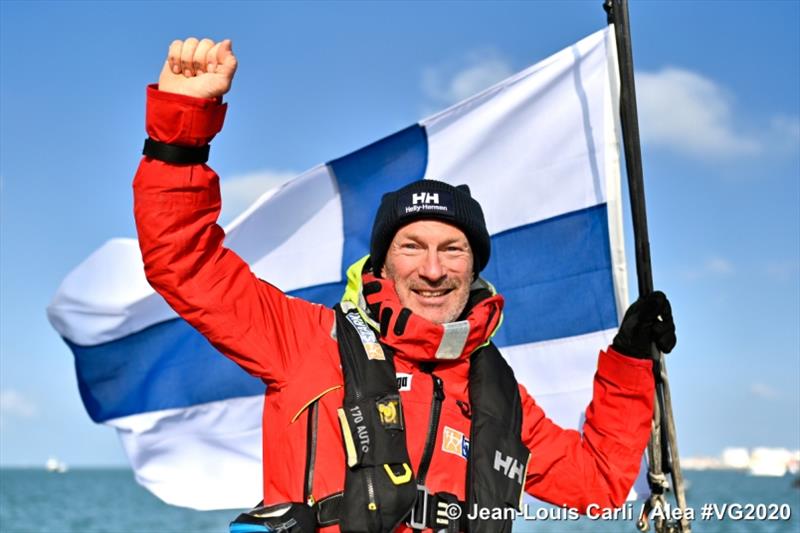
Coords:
pixel 420 238
pixel 420 233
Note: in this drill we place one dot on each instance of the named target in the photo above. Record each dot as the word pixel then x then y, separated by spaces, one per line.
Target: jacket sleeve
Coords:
pixel 176 209
pixel 600 465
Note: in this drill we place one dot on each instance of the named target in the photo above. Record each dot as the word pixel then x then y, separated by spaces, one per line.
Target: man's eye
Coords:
pixel 410 246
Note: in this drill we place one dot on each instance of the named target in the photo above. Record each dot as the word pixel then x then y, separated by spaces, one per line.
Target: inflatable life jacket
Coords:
pixel 381 489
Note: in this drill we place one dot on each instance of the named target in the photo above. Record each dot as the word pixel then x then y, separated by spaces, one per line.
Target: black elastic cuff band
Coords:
pixel 177 155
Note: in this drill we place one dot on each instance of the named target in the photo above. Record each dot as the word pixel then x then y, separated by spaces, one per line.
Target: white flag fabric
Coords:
pixel 538 150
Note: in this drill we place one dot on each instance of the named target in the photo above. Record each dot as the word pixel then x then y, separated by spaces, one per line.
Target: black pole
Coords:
pixel 663 449
pixel 618 14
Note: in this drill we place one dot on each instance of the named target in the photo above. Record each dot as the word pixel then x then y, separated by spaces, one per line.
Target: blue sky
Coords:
pixel 719 90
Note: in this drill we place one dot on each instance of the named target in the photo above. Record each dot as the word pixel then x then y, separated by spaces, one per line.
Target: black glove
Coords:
pixel 648 320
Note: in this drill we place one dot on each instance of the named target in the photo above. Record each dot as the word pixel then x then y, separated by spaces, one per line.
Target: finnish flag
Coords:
pixel 539 151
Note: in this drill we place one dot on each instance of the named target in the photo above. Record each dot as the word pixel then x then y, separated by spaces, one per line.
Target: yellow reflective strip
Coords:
pixel 352 291
pixel 312 400
pixel 349 445
pixel 405 477
pixel 524 478
pixel 353 287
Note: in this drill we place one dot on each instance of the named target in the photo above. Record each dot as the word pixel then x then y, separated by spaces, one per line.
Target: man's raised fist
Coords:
pixel 203 69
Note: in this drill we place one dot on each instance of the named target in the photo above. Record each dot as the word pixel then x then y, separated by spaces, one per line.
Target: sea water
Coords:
pixel 111 501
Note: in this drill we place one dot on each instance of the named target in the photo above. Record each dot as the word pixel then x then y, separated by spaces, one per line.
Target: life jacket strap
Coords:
pixel 431 511
pixel 441 512
pixel 327 509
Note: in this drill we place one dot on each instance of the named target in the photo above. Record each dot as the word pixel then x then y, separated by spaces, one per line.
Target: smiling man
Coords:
pixel 393 411
pixel 430 264
pixel 418 243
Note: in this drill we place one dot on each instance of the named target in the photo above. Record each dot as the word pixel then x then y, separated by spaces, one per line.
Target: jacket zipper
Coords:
pixel 433 428
pixel 373 505
pixel 311 451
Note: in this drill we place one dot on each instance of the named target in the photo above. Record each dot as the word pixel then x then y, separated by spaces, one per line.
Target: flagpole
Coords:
pixel 663 446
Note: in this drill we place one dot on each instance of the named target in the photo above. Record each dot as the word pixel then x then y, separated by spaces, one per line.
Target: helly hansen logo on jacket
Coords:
pixel 509 466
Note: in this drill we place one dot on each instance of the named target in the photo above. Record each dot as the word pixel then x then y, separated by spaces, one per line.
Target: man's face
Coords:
pixel 430 264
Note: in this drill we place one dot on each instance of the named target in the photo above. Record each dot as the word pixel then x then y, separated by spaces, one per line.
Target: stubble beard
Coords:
pixel 405 293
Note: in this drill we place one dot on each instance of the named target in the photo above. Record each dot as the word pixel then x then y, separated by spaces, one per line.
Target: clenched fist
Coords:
pixel 203 69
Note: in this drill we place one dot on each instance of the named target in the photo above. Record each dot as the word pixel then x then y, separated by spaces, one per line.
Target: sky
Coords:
pixel 719 106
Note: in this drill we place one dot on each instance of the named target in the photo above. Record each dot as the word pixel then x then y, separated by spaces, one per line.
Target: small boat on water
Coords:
pixel 54 465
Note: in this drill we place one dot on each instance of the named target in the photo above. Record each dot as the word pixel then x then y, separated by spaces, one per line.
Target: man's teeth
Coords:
pixel 432 294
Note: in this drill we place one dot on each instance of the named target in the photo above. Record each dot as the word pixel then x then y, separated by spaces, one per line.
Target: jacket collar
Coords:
pixel 410 335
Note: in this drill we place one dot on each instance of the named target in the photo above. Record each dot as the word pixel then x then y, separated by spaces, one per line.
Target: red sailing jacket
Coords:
pixel 287 343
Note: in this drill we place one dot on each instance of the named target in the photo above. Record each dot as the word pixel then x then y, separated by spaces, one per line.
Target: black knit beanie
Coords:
pixel 429 199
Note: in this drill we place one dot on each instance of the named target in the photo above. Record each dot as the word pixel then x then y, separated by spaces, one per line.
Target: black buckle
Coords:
pixel 419 513
pixel 447 512
pixel 433 511
pixel 328 509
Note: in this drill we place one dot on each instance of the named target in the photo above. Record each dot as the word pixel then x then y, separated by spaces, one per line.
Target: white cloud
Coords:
pixel 784 133
pixel 692 114
pixel 761 390
pixel 238 192
pixel 788 126
pixel 718 265
pixel 712 266
pixel 446 85
pixel 12 403
pixel 679 109
pixel 782 270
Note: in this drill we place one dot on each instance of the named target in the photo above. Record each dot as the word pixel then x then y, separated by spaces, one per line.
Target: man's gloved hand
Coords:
pixel 648 320
pixel 385 306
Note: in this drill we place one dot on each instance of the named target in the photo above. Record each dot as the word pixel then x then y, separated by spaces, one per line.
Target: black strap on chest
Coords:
pixel 379 489
pixel 498 460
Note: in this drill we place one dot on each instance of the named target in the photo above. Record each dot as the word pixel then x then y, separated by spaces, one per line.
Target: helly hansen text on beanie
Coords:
pixel 429 199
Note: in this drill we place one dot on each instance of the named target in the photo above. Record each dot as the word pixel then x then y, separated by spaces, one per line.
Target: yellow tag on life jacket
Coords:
pixel 388 412
pixel 405 477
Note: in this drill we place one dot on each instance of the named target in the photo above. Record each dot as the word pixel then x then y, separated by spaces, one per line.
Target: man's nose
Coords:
pixel 431 267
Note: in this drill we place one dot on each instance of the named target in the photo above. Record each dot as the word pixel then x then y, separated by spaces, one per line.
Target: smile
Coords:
pixel 432 294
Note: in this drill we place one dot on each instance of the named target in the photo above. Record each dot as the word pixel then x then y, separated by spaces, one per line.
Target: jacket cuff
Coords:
pixel 629 372
pixel 183 120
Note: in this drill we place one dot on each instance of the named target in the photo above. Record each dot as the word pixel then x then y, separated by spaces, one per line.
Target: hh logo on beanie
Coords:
pixel 429 199
pixel 440 203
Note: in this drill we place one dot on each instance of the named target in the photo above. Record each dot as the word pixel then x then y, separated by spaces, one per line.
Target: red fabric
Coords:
pixel 189 122
pixel 287 343
pixel 420 338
